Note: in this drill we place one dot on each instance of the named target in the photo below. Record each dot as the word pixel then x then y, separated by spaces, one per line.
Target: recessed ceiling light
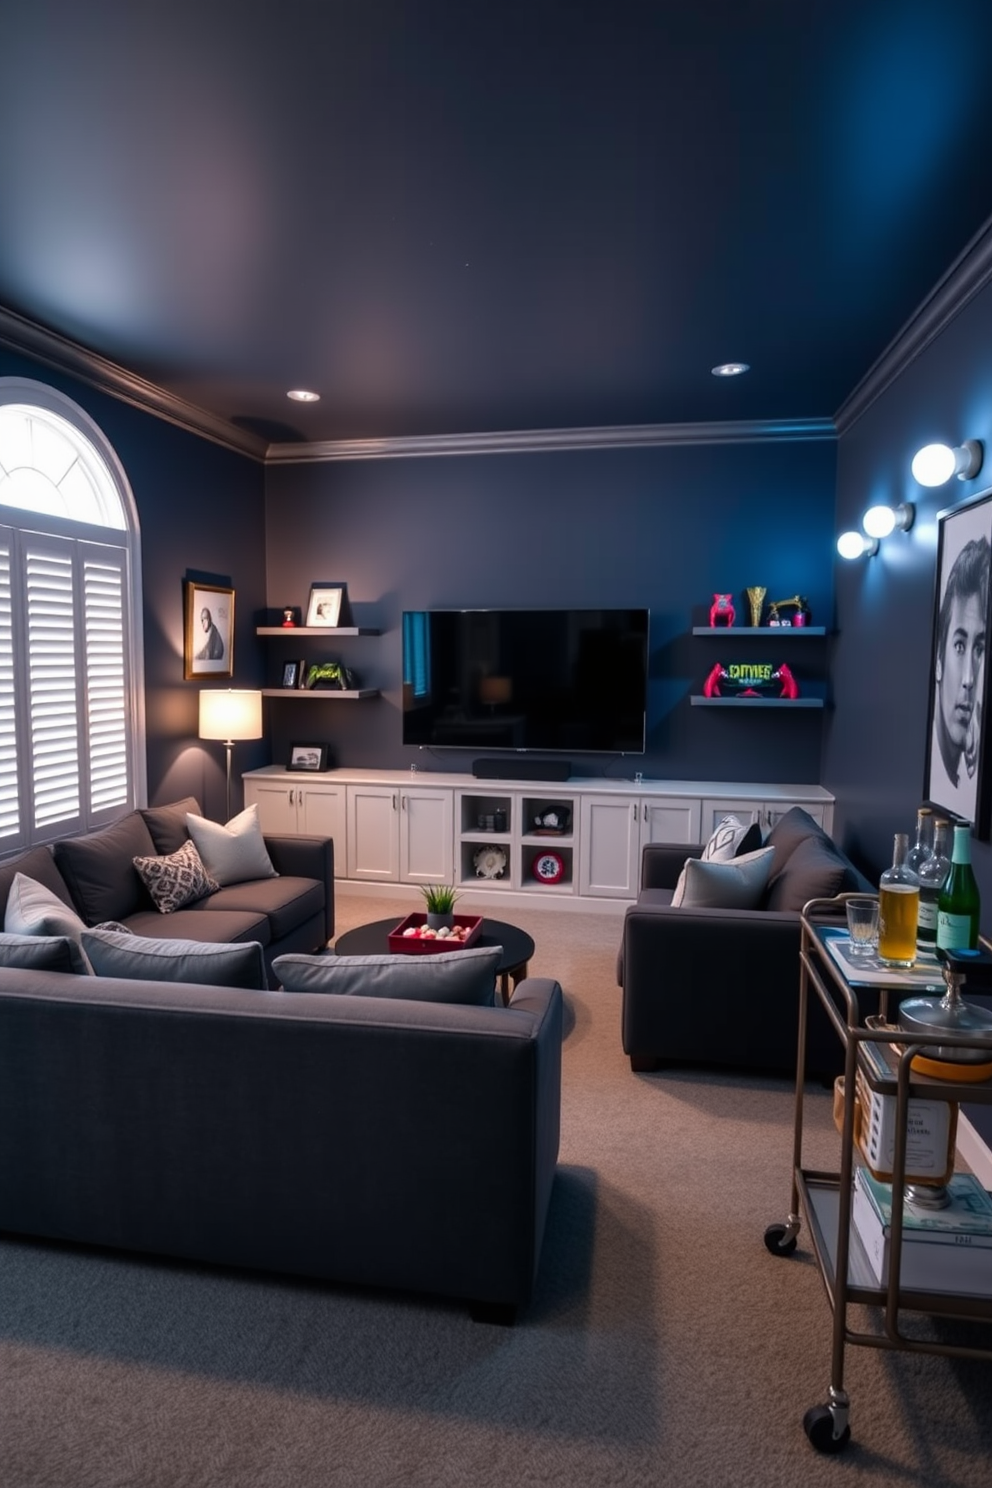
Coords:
pixel 301 395
pixel 730 369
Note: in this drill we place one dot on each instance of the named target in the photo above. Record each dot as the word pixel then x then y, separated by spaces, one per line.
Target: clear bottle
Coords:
pixel 932 873
pixel 959 905
pixel 923 845
pixel 898 908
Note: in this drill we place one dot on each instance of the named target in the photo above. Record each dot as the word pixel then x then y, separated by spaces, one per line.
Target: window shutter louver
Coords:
pixel 10 809
pixel 52 685
pixel 106 691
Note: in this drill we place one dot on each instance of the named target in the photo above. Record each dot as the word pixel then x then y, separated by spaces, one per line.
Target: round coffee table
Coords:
pixel 518 947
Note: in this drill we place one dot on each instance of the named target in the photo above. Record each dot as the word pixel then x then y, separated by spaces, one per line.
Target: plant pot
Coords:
pixel 440 921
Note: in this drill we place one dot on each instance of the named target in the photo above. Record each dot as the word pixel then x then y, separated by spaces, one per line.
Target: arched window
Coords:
pixel 71 710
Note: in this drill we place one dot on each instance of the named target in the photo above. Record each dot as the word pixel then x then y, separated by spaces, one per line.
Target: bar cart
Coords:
pixel 880 1055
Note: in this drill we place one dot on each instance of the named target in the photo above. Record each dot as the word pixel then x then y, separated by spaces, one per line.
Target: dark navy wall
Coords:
pixel 200 507
pixel 876 739
pixel 661 528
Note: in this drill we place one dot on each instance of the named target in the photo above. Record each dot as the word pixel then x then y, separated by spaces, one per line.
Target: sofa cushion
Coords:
pixel 813 870
pixel 793 827
pixel 138 958
pixel 235 852
pixel 32 909
pixel 175 879
pixel 229 926
pixel 739 884
pixel 36 863
pixel 467 976
pixel 731 838
pixel 99 869
pixel 167 824
pixel 40 953
pixel 286 901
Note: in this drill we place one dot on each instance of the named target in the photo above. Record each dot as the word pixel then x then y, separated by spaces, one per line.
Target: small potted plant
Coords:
pixel 440 902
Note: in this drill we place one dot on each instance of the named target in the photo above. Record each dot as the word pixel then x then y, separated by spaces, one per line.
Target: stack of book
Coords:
pixel 943 1250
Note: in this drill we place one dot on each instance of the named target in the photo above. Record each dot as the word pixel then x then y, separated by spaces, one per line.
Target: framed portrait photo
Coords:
pixel 208 631
pixel 325 605
pixel 956 774
pixel 293 673
pixel 312 757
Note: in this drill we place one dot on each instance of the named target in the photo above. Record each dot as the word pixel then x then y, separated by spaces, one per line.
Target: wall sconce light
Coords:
pixel 230 714
pixel 856 545
pixel 880 521
pixel 934 464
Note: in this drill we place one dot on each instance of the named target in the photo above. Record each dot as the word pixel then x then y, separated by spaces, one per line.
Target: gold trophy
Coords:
pixel 756 599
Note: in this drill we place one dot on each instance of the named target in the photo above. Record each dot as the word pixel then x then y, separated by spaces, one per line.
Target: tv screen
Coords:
pixel 571 681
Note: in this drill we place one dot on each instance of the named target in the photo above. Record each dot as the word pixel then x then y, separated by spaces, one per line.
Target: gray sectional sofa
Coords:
pixel 94 875
pixel 721 986
pixel 362 1140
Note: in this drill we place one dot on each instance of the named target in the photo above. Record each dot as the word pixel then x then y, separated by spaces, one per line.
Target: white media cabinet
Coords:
pixel 395 828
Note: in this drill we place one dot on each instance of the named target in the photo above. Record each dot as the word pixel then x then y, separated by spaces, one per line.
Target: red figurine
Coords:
pixel 790 687
pixel 711 687
pixel 722 607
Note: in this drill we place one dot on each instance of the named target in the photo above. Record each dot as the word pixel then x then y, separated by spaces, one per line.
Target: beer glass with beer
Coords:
pixel 898 908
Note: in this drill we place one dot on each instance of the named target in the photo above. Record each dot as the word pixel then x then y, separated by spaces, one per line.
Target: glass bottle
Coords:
pixel 959 905
pixel 932 873
pixel 923 846
pixel 898 908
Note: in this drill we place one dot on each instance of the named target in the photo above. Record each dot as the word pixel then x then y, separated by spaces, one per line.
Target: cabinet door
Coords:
pixel 818 810
pixel 373 839
pixel 714 811
pixel 673 820
pixel 426 836
pixel 324 814
pixel 277 803
pixel 610 846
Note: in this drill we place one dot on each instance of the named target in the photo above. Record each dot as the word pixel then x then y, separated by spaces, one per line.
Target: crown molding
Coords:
pixel 530 441
pixel 967 276
pixel 20 334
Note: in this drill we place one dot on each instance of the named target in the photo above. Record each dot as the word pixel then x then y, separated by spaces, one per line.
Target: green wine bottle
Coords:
pixel 958 903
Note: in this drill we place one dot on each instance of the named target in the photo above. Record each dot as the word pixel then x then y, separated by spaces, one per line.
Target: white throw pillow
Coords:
pixel 738 884
pixel 728 838
pixel 233 853
pixel 34 910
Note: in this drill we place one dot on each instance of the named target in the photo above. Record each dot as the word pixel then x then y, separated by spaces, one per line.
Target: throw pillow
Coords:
pixel 233 853
pixel 99 871
pixel 738 884
pixel 813 870
pixel 39 953
pixel 167 824
pixel 34 910
pixel 467 976
pixel 731 838
pixel 176 879
pixel 145 959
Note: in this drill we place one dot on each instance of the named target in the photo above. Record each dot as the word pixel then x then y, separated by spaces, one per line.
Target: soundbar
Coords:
pixel 514 768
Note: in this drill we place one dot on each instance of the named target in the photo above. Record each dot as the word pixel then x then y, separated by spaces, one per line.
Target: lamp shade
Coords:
pixel 230 713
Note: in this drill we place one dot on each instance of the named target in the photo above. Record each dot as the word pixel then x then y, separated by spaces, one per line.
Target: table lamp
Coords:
pixel 230 714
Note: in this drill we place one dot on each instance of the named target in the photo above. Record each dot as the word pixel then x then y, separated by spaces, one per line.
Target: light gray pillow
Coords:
pixel 34 910
pixel 40 953
pixel 147 959
pixel 738 884
pixel 467 976
pixel 233 853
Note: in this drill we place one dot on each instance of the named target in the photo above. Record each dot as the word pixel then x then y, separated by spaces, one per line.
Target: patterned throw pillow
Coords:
pixel 731 838
pixel 177 879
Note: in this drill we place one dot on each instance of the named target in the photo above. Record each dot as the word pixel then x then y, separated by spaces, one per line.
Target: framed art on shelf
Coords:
pixel 293 673
pixel 208 631
pixel 312 757
pixel 957 778
pixel 325 605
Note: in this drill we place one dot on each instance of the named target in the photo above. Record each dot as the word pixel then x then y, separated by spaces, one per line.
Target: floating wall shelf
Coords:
pixel 328 631
pixel 698 701
pixel 320 694
pixel 759 630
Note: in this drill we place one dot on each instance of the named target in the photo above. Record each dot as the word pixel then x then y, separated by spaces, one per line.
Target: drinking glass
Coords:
pixel 862 925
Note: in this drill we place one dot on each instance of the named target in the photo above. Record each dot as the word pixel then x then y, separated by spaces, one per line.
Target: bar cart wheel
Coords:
pixel 820 1428
pixel 781 1239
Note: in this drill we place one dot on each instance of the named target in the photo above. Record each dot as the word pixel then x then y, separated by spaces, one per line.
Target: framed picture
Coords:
pixel 957 778
pixel 292 673
pixel 325 604
pixel 307 757
pixel 208 631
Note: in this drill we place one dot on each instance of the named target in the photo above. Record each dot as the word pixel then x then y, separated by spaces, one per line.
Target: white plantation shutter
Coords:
pixel 71 717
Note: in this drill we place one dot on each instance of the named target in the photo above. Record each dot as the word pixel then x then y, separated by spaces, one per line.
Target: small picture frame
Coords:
pixel 292 674
pixel 309 757
pixel 324 608
pixel 208 631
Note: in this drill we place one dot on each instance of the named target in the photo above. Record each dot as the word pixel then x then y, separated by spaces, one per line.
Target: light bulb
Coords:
pixel 854 545
pixel 933 465
pixel 879 521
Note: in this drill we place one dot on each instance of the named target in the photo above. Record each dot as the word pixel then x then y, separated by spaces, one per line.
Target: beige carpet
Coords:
pixel 664 1346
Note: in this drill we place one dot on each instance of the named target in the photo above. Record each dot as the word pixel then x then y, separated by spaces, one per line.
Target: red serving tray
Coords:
pixel 412 945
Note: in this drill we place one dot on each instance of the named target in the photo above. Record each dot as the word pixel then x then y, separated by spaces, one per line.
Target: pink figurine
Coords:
pixel 790 687
pixel 711 687
pixel 723 607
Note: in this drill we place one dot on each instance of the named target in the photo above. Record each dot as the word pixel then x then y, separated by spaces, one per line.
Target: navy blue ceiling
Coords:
pixel 453 216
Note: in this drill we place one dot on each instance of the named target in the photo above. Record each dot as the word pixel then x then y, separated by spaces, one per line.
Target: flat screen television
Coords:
pixel 568 681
